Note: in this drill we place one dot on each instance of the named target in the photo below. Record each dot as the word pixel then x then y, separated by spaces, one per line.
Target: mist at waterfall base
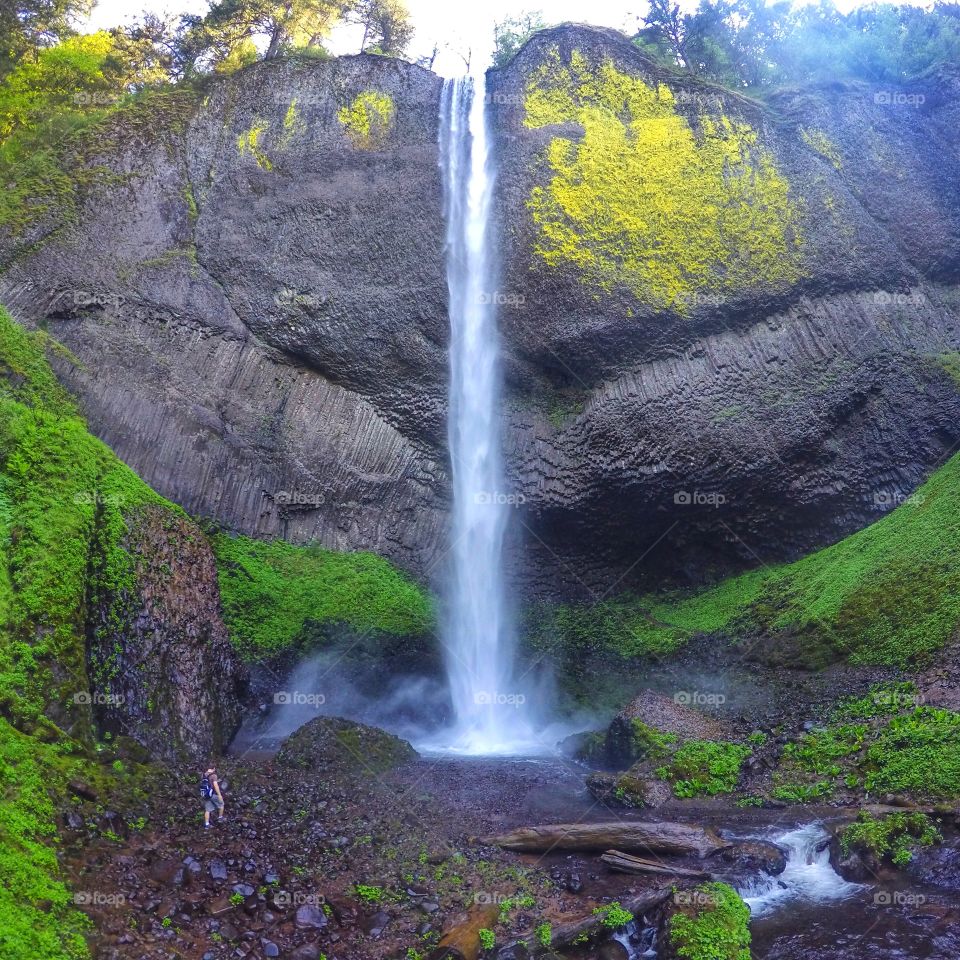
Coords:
pixel 412 706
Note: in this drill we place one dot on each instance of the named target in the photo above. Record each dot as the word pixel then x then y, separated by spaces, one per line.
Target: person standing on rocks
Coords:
pixel 212 797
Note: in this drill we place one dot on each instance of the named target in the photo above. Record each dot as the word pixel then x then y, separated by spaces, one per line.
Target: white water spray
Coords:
pixel 808 875
pixel 478 633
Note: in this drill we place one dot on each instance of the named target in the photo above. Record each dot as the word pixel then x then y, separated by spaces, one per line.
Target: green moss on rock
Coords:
pixel 710 923
pixel 272 591
pixel 368 119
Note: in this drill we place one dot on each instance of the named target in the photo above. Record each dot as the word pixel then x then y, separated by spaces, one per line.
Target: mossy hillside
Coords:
pixel 646 199
pixel 889 594
pixel 274 592
pixel 368 119
pixel 710 923
pixel 65 498
pixel 37 916
pixel 705 767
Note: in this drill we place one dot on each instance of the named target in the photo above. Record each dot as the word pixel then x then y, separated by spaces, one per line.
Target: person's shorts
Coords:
pixel 214 803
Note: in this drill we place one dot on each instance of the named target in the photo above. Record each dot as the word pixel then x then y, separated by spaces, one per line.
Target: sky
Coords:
pixel 456 25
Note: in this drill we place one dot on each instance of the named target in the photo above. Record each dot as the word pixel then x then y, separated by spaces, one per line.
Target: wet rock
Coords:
pixel 245 889
pixel 307 951
pixel 629 789
pixel 169 872
pixel 335 743
pixel 74 821
pixel 220 906
pixel 612 950
pixel 309 917
pixel 378 923
pixel 270 949
pixel 429 906
pixel 753 855
pixel 82 789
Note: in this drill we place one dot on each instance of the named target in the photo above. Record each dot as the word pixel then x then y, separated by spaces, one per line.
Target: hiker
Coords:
pixel 212 797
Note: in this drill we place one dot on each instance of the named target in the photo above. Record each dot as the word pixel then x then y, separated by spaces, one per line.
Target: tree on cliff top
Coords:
pixel 387 27
pixel 28 26
pixel 510 34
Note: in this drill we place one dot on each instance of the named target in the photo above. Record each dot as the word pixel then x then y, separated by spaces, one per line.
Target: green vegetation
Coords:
pixel 894 837
pixel 368 119
pixel 369 894
pixel 642 200
pixel 889 594
pixel 37 916
pixel 896 747
pixel 65 500
pixel 649 743
pixel 614 916
pixel 818 141
pixel 719 928
pixel 249 143
pixel 705 767
pixel 488 938
pixel 273 590
pixel 543 934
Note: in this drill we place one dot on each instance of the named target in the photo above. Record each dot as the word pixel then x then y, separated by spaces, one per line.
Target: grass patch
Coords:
pixel 272 591
pixel 705 767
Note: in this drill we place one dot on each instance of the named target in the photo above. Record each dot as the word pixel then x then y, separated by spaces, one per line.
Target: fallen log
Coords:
pixel 674 839
pixel 567 934
pixel 625 863
pixel 462 942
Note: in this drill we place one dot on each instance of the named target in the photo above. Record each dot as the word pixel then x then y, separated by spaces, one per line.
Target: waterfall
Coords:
pixel 478 630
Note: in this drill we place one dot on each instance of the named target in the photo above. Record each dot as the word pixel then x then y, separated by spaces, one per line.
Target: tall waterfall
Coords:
pixel 478 632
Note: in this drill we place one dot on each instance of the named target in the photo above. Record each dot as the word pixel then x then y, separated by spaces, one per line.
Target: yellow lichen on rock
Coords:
pixel 368 119
pixel 647 200
pixel 819 142
pixel 249 143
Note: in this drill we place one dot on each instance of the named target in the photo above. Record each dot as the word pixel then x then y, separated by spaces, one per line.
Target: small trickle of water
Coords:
pixel 808 874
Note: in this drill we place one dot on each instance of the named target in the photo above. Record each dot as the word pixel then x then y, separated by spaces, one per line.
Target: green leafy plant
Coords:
pixel 487 938
pixel 893 837
pixel 705 767
pixel 719 929
pixel 614 917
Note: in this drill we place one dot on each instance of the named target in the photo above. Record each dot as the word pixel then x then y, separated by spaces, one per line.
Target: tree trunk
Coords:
pixel 625 863
pixel 674 839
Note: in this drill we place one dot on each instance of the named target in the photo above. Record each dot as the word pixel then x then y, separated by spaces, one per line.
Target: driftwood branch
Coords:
pixel 566 934
pixel 625 863
pixel 673 839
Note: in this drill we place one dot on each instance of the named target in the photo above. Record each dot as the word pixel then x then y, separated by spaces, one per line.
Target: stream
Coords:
pixel 807 911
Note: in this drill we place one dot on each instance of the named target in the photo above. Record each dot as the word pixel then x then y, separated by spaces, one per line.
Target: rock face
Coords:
pixel 257 296
pixel 345 746
pixel 159 657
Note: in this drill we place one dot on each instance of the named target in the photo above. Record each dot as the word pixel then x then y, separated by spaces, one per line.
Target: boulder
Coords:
pixel 666 714
pixel 335 744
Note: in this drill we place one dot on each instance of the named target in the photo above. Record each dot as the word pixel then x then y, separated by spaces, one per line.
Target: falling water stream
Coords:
pixel 489 712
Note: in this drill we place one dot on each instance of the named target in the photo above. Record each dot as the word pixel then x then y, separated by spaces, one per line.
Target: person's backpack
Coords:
pixel 206 788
